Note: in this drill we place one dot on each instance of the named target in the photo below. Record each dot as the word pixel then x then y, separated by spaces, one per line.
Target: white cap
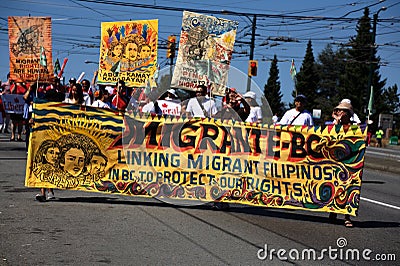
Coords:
pixel 250 94
pixel 110 89
pixel 345 101
pixel 172 91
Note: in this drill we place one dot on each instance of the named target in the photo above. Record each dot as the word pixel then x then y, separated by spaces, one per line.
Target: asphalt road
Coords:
pixel 82 228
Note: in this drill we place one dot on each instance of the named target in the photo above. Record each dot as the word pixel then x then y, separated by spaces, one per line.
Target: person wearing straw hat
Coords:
pixel 342 115
pixel 354 117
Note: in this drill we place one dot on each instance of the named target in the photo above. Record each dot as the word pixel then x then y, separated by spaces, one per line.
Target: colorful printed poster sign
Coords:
pixel 13 103
pixel 30 46
pixel 198 160
pixel 205 51
pixel 128 51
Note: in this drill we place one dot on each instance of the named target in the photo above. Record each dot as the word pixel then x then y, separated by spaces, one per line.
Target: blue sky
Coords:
pixel 76 30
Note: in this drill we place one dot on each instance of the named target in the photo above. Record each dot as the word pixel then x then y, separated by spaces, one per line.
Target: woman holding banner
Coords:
pixel 76 95
pixel 342 115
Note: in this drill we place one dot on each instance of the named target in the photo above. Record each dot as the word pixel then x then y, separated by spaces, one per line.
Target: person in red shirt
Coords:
pixel 120 100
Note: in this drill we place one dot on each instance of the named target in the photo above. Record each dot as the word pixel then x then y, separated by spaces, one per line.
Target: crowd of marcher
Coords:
pixel 199 104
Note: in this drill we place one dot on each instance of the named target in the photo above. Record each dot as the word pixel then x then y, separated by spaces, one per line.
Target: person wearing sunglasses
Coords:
pixel 342 115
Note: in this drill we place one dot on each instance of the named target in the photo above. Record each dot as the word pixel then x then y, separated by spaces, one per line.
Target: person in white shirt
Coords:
pixel 255 110
pixel 275 118
pixel 169 103
pixel 99 96
pixel 86 95
pixel 76 95
pixel 298 115
pixel 201 105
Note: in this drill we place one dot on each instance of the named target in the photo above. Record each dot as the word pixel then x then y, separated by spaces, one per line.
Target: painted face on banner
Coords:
pixel 74 161
pixel 131 51
pixel 52 154
pixel 117 51
pixel 98 164
pixel 145 51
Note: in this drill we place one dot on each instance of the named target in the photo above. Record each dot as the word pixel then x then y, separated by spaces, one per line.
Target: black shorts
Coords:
pixel 16 117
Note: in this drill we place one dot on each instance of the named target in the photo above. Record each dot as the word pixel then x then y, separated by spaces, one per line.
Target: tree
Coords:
pixel 354 81
pixel 272 90
pixel 330 65
pixel 391 99
pixel 307 78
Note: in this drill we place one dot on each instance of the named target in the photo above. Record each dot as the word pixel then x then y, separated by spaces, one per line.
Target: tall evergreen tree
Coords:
pixel 391 99
pixel 307 78
pixel 272 90
pixel 330 65
pixel 360 57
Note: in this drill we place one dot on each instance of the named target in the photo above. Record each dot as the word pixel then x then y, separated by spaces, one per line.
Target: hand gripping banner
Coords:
pixel 202 160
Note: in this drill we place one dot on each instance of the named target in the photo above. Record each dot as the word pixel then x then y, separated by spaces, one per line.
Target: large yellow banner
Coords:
pixel 128 51
pixel 203 160
pixel 30 49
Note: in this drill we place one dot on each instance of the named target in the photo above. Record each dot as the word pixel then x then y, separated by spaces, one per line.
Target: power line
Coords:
pixel 221 12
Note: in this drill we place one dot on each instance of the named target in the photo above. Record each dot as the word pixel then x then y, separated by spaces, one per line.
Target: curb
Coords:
pixel 380 167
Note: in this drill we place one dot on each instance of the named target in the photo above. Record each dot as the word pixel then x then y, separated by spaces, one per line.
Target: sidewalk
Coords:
pixel 385 159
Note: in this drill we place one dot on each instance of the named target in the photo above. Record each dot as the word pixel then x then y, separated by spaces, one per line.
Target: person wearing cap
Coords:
pixel 342 116
pixel 298 115
pixel 255 110
pixel 170 95
pixel 354 117
pixel 201 105
pixel 72 81
pixel 169 104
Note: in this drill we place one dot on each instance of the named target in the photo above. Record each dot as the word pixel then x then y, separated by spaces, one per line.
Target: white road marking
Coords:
pixel 381 203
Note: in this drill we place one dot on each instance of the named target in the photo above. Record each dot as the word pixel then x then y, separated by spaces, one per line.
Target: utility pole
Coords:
pixel 371 64
pixel 252 44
